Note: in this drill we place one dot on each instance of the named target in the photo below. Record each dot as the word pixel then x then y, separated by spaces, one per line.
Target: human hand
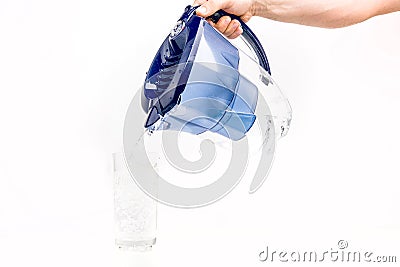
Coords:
pixel 230 28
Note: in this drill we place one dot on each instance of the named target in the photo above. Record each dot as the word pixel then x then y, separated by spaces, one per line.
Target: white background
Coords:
pixel 68 70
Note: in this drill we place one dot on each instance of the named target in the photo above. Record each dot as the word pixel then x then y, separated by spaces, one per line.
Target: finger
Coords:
pixel 208 8
pixel 233 25
pixel 211 22
pixel 246 17
pixel 223 24
pixel 236 33
pixel 199 2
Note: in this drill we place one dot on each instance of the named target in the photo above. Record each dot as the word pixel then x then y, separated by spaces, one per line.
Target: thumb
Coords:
pixel 208 8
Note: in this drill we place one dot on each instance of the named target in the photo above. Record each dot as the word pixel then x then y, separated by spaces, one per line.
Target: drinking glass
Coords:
pixel 135 213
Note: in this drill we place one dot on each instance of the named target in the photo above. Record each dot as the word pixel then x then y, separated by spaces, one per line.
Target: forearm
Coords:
pixel 323 13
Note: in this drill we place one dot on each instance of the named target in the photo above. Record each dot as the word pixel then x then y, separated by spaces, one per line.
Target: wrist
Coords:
pixel 260 8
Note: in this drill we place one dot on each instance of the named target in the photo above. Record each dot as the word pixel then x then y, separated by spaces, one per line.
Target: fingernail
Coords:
pixel 202 10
